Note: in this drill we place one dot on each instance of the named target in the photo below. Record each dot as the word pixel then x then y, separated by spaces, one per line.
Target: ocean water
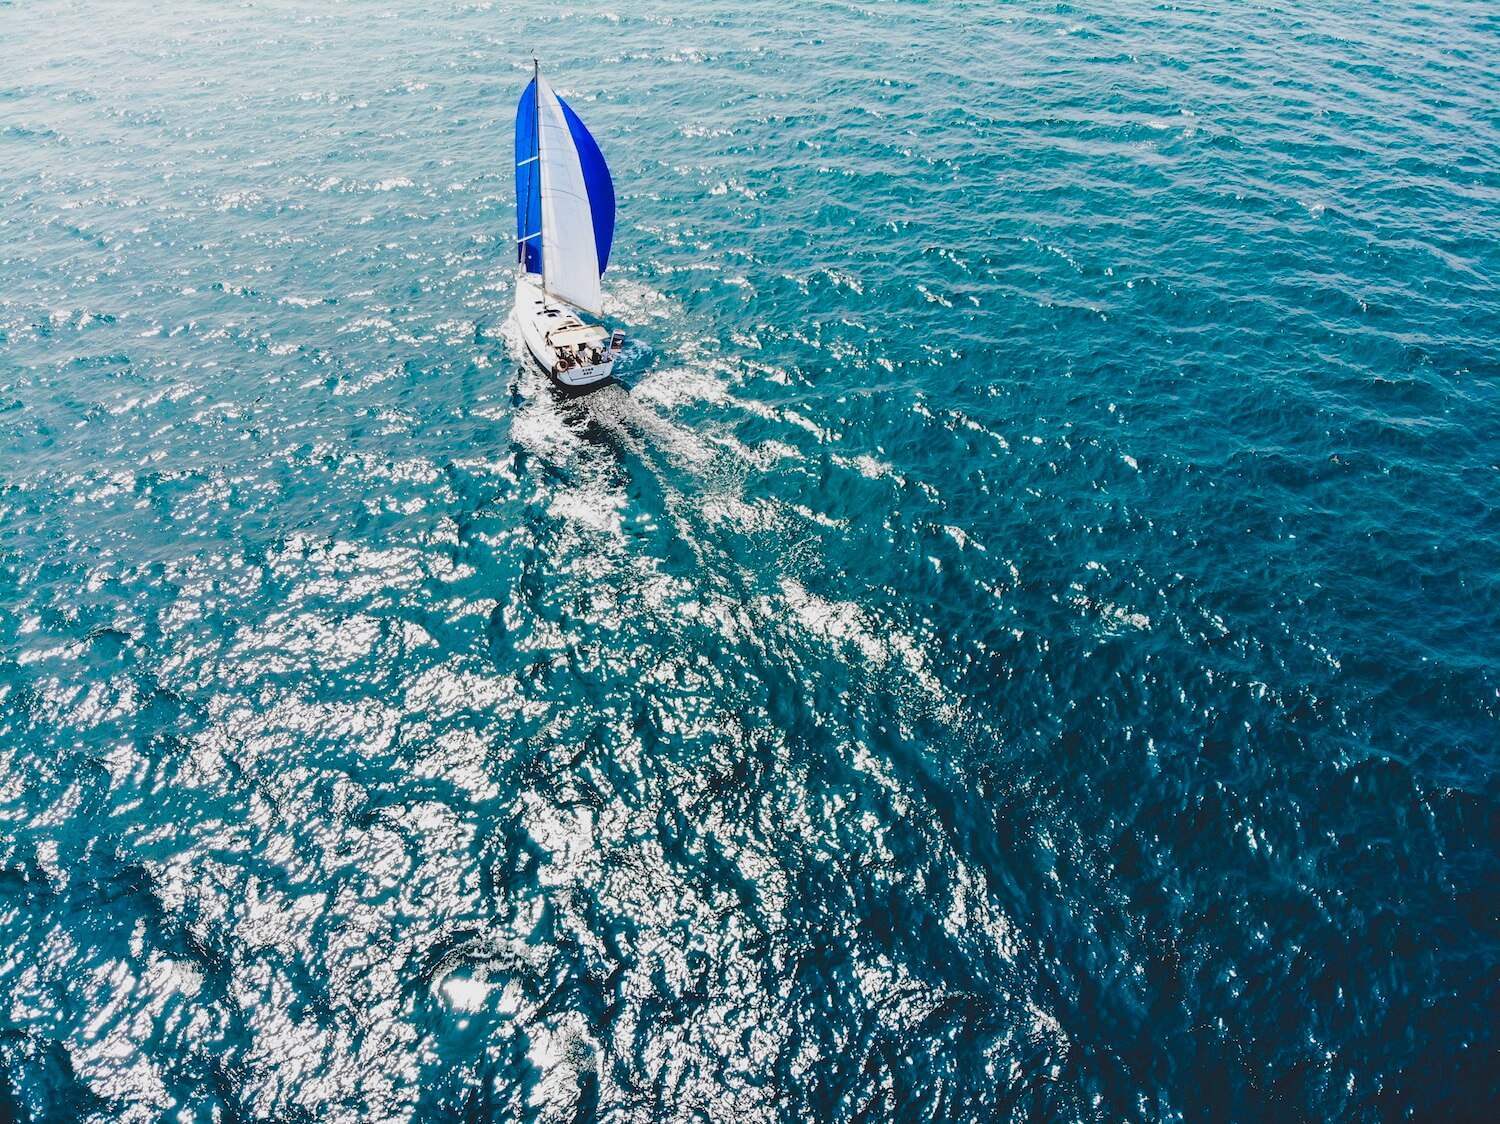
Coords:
pixel 1023 642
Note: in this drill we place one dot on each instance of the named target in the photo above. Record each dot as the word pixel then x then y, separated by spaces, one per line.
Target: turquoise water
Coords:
pixel 1021 644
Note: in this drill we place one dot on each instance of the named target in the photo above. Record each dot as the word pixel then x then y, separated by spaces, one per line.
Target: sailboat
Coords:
pixel 565 223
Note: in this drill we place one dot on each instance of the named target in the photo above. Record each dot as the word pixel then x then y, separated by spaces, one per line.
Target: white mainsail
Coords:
pixel 570 260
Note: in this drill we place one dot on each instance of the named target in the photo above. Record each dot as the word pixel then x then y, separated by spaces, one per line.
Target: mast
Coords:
pixel 536 132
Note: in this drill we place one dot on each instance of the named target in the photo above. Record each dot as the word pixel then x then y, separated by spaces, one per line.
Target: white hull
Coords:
pixel 562 343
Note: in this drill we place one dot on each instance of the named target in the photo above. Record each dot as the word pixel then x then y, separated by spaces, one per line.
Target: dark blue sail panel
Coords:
pixel 597 182
pixel 529 182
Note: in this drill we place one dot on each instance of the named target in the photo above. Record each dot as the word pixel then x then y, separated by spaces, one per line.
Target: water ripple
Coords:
pixel 1022 644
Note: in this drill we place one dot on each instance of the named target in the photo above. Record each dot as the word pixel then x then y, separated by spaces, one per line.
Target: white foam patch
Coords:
pixel 867 466
pixel 466 993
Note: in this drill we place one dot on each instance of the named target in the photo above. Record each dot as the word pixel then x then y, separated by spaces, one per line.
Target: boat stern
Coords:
pixel 574 354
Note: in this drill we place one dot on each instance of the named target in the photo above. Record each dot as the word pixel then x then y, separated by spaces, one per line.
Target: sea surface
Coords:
pixel 1022 643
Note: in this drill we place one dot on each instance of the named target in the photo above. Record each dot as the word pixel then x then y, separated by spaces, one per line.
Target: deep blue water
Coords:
pixel 1022 644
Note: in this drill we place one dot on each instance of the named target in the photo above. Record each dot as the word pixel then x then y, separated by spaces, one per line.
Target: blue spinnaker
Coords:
pixel 596 179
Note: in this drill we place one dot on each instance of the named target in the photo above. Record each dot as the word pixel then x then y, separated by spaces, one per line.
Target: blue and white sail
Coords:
pixel 565 199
